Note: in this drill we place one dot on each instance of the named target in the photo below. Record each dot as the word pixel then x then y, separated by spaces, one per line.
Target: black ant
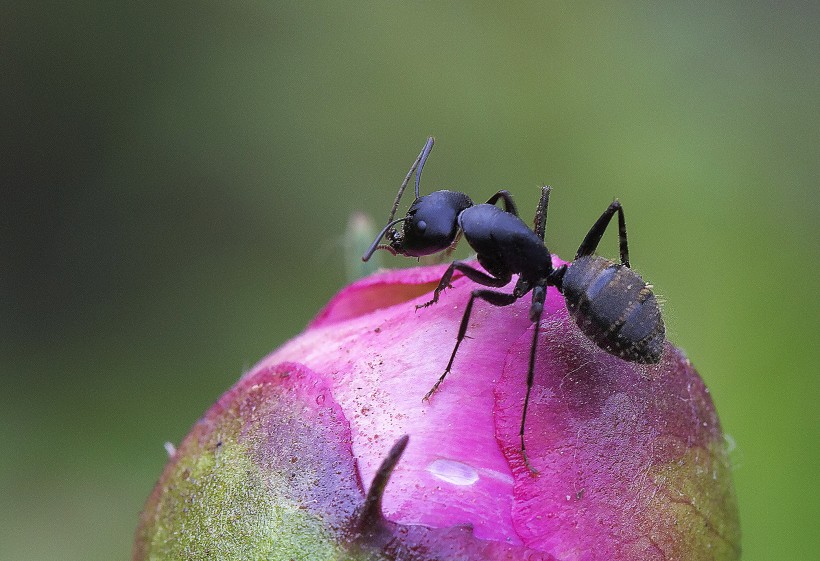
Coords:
pixel 611 303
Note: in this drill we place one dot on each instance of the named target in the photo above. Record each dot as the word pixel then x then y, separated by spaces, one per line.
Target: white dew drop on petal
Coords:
pixel 453 472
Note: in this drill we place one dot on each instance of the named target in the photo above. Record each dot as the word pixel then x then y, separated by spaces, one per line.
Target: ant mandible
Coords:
pixel 610 302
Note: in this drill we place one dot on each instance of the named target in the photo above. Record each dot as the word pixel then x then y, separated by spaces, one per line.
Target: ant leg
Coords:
pixel 491 296
pixel 521 287
pixel 449 251
pixel 539 295
pixel 595 233
pixel 509 204
pixel 540 221
pixel 473 274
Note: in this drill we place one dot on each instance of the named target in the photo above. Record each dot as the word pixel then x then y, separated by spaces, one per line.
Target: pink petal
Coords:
pixel 382 364
pixel 630 456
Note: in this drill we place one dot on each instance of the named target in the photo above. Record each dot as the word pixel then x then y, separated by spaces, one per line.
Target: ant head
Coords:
pixel 431 224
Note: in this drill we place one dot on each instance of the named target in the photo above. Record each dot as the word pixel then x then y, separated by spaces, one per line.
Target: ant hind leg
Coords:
pixel 593 237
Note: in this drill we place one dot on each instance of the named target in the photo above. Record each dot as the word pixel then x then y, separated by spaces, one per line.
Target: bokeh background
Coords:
pixel 177 178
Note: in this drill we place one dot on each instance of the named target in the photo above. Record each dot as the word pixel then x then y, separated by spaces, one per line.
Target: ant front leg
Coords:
pixel 473 274
pixel 491 296
pixel 593 237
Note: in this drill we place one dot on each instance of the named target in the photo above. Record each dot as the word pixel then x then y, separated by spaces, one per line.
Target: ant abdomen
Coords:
pixel 615 308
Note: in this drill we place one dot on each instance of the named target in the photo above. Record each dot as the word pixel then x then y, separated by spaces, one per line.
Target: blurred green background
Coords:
pixel 177 178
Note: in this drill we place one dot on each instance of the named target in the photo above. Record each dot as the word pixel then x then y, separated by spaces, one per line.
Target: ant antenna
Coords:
pixel 375 245
pixel 428 146
pixel 416 168
pixel 417 165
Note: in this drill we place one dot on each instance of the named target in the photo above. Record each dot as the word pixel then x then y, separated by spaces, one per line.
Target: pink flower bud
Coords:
pixel 630 457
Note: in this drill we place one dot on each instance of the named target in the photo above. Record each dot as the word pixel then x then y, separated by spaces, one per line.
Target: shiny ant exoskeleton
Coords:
pixel 611 303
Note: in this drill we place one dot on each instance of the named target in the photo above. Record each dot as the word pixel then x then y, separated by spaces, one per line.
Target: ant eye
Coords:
pixel 421 225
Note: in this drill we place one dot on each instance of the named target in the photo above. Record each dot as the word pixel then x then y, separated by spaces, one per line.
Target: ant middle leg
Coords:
pixel 493 297
pixel 509 204
pixel 540 221
pixel 471 273
pixel 593 237
pixel 539 296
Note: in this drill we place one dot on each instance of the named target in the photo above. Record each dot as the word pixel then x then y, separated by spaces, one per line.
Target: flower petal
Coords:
pixel 382 364
pixel 378 291
pixel 631 457
pixel 266 471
